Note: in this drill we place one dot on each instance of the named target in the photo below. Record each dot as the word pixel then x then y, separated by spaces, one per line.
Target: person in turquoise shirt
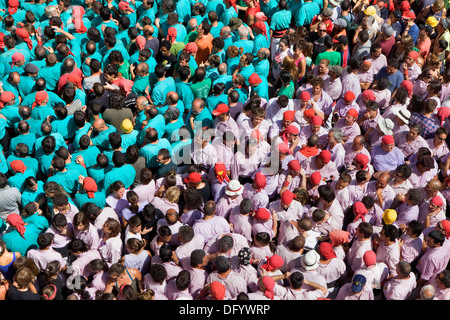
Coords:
pixel 88 152
pixel 141 80
pixel 183 87
pixel 20 241
pixel 59 140
pixel 198 117
pixel 34 215
pixel 306 13
pixel 28 80
pixel 18 175
pixel 245 68
pixel 68 179
pixel 99 171
pixel 216 25
pixel 21 153
pixel 120 171
pixel 224 78
pixel 261 39
pixel 268 7
pixel 218 96
pixel 150 150
pixel 53 98
pixel 217 6
pixel 89 193
pixel 24 136
pixel 12 117
pixel 162 87
pixel 11 83
pixel 147 9
pixel 51 72
pixel 261 63
pixel 3 162
pixel 234 55
pixel 259 85
pixel 64 124
pixel 129 135
pixel 229 13
pixel 79 132
pixel 34 191
pixel 156 121
pixel 183 8
pixel 102 131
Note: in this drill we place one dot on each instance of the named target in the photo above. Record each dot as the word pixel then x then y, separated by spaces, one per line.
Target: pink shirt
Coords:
pixel 287 232
pixel 164 205
pixel 111 250
pixel 433 261
pixel 225 205
pixel 90 236
pixel 329 171
pixel 241 224
pixel 349 132
pixel 233 282
pixel 399 289
pixel 172 292
pixel 211 227
pixel 239 242
pixel 388 194
pixel 406 214
pixel 390 255
pixel 293 212
pixel 81 265
pixel 260 199
pixel 409 147
pixel 42 257
pixel 332 271
pixel 438 152
pixel 183 251
pixel 356 253
pixel 149 283
pixel 411 248
pixel 350 154
pixel 146 192
pixel 198 280
pixel 346 293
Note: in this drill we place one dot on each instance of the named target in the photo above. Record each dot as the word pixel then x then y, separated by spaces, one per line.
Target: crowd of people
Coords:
pixel 224 150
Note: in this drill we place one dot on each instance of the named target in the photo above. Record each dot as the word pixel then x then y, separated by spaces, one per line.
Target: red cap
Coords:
pixel 317 121
pixel 289 115
pixel 221 108
pixel 370 258
pixel 369 94
pixel 260 180
pixel 305 96
pixel 388 139
pixel 310 113
pixel 218 290
pixel 405 6
pixel 353 113
pixel 325 156
pixel 18 166
pixel 294 165
pixel 408 15
pixel 292 129
pixel 349 96
pixel 326 250
pixel 362 159
pixel 287 197
pixel 191 47
pixel 254 79
pixel 360 210
pixel 437 201
pixel 262 214
pixel 193 177
pixel 315 177
pixel 124 6
pixel 283 148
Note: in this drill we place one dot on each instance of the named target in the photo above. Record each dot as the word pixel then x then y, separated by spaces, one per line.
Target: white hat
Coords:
pixel 386 125
pixel 234 188
pixel 335 3
pixel 310 260
pixel 404 114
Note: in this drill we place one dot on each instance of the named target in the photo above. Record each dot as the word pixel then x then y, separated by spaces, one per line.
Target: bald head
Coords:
pixel 172 98
pixel 222 69
pixel 99 125
pixel 142 68
pixel 225 32
pixel 383 180
pixel 193 24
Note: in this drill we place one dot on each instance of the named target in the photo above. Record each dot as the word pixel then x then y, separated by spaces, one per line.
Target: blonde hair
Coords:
pixel 173 194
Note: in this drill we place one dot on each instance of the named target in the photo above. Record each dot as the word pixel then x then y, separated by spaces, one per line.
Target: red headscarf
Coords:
pixel 5 97
pixel 326 250
pixel 12 6
pixel 260 181
pixel 217 290
pixel 360 210
pixel 233 4
pixel 16 57
pixel 77 15
pixel 18 166
pixel 16 221
pixel 90 186
pixel 273 262
pixel 443 113
pixel 261 26
pixel 172 34
pixel 76 79
pixel 408 85
pixel 39 98
pixel 221 172
pixel 25 36
pixel 140 42
pixel 446 226
pixel 269 285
